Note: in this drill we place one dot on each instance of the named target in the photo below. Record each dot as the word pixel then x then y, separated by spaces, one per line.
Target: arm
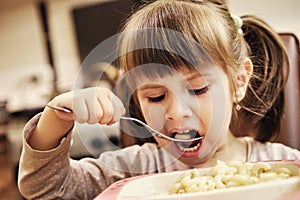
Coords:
pixel 45 168
pixel 52 175
pixel 42 137
pixel 91 105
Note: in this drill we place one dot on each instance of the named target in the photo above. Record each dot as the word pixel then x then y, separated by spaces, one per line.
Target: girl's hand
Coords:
pixel 90 105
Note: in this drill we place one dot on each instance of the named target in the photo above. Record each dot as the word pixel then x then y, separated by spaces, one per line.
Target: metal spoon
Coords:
pixel 151 130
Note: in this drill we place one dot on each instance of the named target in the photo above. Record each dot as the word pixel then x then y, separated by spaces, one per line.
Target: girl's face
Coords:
pixel 185 103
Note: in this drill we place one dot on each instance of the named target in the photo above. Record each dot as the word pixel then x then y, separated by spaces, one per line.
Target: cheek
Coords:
pixel 214 110
pixel 204 111
pixel 144 106
pixel 154 115
pixel 145 110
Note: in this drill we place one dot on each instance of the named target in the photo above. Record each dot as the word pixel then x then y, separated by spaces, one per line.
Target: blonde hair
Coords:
pixel 210 24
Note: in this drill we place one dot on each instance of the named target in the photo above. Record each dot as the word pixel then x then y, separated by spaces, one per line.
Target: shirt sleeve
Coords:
pixel 258 151
pixel 53 175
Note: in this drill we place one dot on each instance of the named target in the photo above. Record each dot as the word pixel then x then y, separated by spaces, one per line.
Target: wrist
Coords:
pixel 49 131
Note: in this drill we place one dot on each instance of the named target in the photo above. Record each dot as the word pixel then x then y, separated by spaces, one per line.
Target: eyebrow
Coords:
pixel 193 76
pixel 150 85
pixel 196 74
pixel 156 85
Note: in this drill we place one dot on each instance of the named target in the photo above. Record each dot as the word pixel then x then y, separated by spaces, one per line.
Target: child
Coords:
pixel 190 70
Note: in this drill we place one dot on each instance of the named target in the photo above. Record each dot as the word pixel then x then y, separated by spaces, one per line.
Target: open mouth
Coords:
pixel 187 146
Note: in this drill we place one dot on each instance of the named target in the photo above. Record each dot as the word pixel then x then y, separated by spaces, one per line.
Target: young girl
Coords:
pixel 191 69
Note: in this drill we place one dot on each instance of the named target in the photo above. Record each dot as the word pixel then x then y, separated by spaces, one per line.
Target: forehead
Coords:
pixel 156 70
pixel 144 80
pixel 137 76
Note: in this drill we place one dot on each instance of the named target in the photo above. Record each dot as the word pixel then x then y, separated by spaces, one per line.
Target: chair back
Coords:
pixel 290 127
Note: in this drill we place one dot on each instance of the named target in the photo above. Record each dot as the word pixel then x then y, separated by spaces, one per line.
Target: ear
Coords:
pixel 242 80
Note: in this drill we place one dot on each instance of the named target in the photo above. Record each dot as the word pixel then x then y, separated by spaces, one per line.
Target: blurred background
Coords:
pixel 42 46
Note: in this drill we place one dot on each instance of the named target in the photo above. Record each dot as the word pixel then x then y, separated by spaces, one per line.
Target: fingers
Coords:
pixel 119 109
pixel 112 108
pixel 80 110
pixel 64 101
pixel 90 105
pixel 97 105
pixel 108 110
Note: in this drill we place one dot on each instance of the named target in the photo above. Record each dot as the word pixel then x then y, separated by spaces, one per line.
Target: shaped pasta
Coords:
pixel 228 175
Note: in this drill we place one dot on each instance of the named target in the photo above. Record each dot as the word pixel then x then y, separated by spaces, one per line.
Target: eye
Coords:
pixel 156 99
pixel 199 91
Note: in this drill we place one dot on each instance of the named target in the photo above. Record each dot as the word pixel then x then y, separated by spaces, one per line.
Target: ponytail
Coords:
pixel 264 100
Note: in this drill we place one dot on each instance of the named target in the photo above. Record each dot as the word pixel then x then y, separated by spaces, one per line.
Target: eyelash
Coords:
pixel 156 99
pixel 192 92
pixel 199 91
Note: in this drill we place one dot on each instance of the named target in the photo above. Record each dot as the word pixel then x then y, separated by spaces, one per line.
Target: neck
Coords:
pixel 235 149
pixel 231 149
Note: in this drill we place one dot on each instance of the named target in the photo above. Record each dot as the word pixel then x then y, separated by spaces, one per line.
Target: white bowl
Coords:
pixel 156 187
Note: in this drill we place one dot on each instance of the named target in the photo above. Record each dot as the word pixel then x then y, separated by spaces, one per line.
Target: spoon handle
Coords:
pixel 63 109
pixel 151 130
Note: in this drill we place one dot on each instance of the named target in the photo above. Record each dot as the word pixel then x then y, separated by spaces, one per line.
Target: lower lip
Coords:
pixel 189 154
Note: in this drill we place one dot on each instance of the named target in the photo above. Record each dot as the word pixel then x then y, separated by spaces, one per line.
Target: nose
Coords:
pixel 179 107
